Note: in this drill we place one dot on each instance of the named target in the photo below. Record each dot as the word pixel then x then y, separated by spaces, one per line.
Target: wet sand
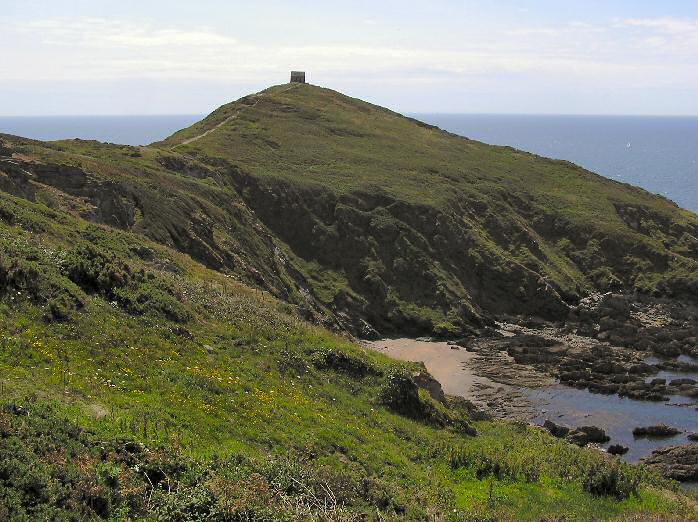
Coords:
pixel 456 369
pixel 448 366
pixel 524 394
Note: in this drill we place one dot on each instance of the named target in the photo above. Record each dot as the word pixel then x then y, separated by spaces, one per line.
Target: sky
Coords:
pixel 96 57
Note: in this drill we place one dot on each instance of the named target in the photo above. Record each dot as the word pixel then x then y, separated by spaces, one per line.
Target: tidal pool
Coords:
pixel 616 415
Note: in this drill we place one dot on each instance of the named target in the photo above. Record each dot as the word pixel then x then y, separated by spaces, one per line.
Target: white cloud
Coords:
pixel 100 32
pixel 78 49
pixel 677 26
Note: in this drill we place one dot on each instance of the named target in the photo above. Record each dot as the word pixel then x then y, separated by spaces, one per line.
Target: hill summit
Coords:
pixel 373 222
pixel 414 230
pixel 164 315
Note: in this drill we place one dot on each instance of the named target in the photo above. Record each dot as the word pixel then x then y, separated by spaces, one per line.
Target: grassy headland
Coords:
pixel 155 355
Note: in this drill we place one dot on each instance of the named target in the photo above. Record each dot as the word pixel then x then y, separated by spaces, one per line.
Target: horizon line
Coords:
pixel 407 113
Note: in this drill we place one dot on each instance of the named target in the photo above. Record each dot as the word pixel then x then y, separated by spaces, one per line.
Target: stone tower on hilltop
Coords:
pixel 297 77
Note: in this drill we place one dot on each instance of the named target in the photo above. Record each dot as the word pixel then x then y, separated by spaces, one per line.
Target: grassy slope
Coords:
pixel 196 212
pixel 84 326
pixel 320 136
pixel 514 204
pixel 338 206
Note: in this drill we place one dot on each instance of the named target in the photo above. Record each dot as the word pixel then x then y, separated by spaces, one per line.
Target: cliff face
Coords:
pixel 367 220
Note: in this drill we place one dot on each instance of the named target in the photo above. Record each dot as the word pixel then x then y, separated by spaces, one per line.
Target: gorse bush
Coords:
pixel 97 271
pixel 401 394
pixel 50 469
pixel 612 479
pixel 502 465
pixel 137 291
pixel 59 280
pixel 29 277
pixel 151 297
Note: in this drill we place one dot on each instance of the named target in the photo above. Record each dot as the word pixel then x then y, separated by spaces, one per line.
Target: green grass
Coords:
pixel 250 411
pixel 338 206
pixel 154 294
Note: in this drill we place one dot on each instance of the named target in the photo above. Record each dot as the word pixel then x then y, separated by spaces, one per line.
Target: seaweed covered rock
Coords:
pixel 584 435
pixel 659 430
pixel 556 430
pixel 675 462
pixel 617 449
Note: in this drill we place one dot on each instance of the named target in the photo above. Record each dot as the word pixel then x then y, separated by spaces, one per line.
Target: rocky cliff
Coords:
pixel 370 221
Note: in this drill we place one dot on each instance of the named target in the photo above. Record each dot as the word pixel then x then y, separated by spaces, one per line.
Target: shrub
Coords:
pixel 343 362
pixel 149 298
pixel 22 278
pixel 97 271
pixel 401 394
pixel 611 480
pixel 139 293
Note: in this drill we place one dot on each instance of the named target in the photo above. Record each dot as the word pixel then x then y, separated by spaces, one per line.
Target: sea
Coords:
pixel 659 154
pixel 124 130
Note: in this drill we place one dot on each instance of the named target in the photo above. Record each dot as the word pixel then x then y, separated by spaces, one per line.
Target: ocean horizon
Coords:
pixel 657 153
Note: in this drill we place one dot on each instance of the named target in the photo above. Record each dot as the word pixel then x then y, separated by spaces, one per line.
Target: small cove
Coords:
pixel 616 415
pixel 568 406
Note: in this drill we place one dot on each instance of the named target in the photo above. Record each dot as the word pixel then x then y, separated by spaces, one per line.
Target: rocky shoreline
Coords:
pixel 604 347
pixel 612 345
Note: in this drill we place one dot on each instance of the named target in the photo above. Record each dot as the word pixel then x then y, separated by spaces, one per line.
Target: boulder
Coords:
pixel 556 430
pixel 617 449
pixel 583 435
pixel 604 388
pixel 425 381
pixel 659 430
pixel 641 368
pixel 681 382
pixel 675 462
pixel 615 305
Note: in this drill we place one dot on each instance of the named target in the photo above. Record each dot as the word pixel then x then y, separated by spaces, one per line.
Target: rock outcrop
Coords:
pixel 617 449
pixel 675 462
pixel 584 435
pixel 657 431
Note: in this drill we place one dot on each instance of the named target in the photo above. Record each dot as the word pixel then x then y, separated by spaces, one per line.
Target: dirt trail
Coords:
pixel 228 119
pixel 209 131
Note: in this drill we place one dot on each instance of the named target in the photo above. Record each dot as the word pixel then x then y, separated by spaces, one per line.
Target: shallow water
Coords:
pixel 670 375
pixel 616 415
pixel 687 359
pixel 564 405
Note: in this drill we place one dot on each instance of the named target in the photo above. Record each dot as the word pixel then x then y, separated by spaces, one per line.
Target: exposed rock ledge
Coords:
pixel 676 462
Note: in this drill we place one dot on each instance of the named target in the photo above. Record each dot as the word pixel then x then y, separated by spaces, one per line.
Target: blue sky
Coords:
pixel 506 56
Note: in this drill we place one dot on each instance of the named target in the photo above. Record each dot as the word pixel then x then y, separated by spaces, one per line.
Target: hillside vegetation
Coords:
pixel 372 201
pixel 137 383
pixel 164 313
pixel 339 206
